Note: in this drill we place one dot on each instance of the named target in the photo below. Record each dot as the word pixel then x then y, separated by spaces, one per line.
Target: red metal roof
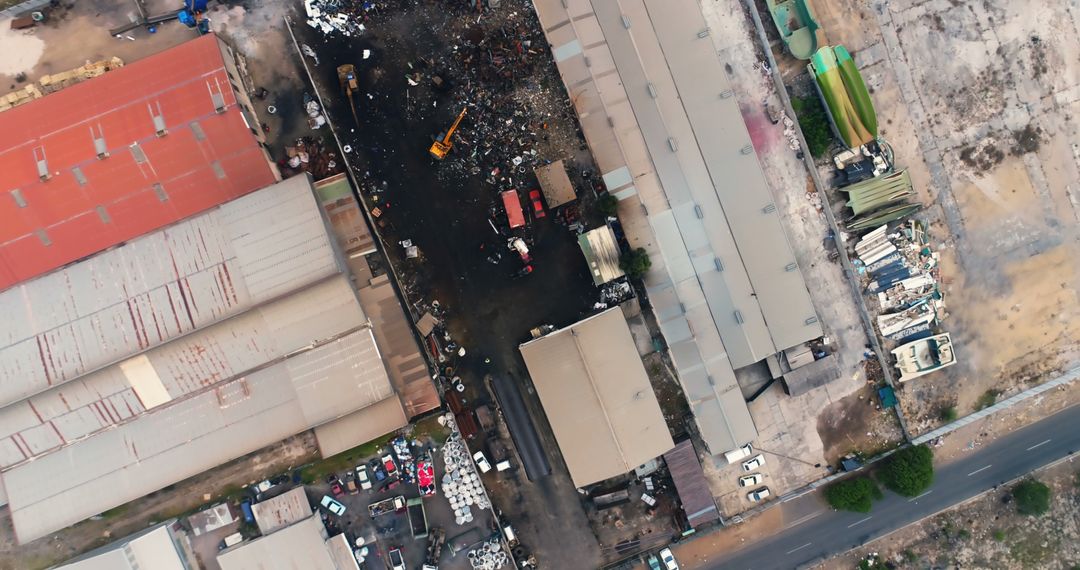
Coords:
pixel 146 182
pixel 512 203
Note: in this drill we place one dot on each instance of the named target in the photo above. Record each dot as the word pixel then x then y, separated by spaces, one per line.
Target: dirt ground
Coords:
pixel 172 501
pixel 862 408
pixel 987 532
pixel 979 101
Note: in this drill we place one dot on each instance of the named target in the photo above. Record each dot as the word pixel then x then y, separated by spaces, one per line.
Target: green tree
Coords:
pixel 1032 497
pixel 909 471
pixel 814 124
pixel 608 205
pixel 948 414
pixel 855 494
pixel 635 262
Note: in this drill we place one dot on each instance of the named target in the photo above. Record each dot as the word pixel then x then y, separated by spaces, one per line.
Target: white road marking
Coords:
pixel 979 470
pixel 857 523
pixel 1038 445
pixel 920 496
pixel 799 548
pixel 806 518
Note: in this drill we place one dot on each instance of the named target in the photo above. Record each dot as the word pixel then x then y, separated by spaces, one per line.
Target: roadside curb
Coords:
pixel 1068 458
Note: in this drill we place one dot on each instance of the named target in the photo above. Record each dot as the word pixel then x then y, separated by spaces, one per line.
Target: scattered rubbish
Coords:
pixel 461 483
pixel 490 555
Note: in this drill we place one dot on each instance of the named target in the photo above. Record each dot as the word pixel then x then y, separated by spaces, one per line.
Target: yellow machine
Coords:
pixel 347 78
pixel 442 146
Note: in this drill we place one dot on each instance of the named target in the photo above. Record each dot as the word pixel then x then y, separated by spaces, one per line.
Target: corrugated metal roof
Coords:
pixel 691 484
pixel 597 397
pixel 360 427
pixel 55 219
pixel 601 253
pixel 281 511
pixel 341 552
pixel 160 286
pixel 335 195
pixel 189 365
pixel 701 204
pixel 153 548
pixel 192 435
pixel 302 545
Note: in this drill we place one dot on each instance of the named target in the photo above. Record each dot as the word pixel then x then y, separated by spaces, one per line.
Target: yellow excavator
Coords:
pixel 441 147
pixel 347 78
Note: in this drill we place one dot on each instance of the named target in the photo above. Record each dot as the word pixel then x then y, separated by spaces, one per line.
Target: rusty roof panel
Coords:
pixel 160 286
pixel 207 358
pixel 57 133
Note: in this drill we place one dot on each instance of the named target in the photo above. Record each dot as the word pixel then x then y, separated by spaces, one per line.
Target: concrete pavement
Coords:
pixel 819 533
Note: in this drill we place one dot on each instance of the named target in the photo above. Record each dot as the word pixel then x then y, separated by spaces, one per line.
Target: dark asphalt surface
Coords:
pixel 444 209
pixel 834 532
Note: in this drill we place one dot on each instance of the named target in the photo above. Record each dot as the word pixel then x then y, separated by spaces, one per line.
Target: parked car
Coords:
pixel 753 463
pixel 538 206
pixel 758 494
pixel 669 559
pixel 740 453
pixel 654 562
pixel 378 469
pixel 351 486
pixel 362 477
pixel 333 506
pixel 751 480
pixel 389 465
pixel 397 562
pixel 481 462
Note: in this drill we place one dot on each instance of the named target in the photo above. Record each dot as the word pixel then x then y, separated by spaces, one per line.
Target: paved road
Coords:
pixel 823 533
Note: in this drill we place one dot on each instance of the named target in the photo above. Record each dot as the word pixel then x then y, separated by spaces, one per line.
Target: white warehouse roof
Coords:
pixel 160 286
pixel 299 354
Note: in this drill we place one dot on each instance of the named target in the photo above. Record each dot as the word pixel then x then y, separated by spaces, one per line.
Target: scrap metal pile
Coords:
pixel 340 16
pixel 490 555
pixel 461 483
pixel 901 271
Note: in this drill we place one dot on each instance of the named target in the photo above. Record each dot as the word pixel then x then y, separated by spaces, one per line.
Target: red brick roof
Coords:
pixel 147 181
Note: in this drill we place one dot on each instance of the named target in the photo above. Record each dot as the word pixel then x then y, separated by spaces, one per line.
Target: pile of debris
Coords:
pixel 461 483
pixel 309 155
pixel 490 555
pixel 901 271
pixel 341 16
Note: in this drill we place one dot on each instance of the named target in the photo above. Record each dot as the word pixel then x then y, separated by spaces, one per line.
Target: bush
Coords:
pixel 909 471
pixel 988 399
pixel 856 494
pixel 607 205
pixel 635 262
pixel 999 535
pixel 814 124
pixel 948 414
pixel 1032 497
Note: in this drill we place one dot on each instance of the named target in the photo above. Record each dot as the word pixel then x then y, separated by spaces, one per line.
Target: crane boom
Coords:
pixel 441 146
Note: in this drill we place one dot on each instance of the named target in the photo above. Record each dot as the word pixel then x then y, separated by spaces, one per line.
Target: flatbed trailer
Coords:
pixel 386 506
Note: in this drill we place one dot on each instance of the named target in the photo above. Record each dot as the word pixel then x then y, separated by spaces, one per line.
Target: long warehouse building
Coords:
pixel 658 112
pixel 181 350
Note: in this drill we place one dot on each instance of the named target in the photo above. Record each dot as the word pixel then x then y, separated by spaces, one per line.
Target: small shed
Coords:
pixel 555 184
pixel 691 485
pixel 601 252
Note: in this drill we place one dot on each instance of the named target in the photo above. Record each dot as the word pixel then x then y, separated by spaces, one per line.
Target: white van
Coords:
pixel 741 453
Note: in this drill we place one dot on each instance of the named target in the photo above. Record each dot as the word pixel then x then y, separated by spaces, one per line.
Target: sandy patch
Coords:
pixel 19 51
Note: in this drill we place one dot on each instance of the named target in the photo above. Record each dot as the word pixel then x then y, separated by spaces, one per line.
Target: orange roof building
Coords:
pixel 115 157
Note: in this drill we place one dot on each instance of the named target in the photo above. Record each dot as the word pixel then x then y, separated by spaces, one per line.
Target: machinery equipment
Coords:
pixel 347 78
pixel 441 147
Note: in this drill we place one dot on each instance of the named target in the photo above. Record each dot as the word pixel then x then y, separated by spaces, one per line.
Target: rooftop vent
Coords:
pixel 42 163
pixel 103 214
pixel 158 118
pixel 160 191
pixel 44 237
pixel 652 90
pixel 768 209
pixel 16 195
pixel 626 21
pixel 747 149
pixel 79 176
pixel 99 143
pixel 791 266
pixel 217 96
pixel 738 316
pixel 811 320
pixel 200 134
pixel 703 33
pixel 673 144
pixel 137 152
pixel 218 170
pixel 719 264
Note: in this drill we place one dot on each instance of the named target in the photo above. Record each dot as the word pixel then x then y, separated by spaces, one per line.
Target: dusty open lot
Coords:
pixel 979 102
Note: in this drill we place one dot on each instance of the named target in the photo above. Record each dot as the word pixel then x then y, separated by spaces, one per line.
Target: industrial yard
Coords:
pixel 978 103
pixel 476 285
